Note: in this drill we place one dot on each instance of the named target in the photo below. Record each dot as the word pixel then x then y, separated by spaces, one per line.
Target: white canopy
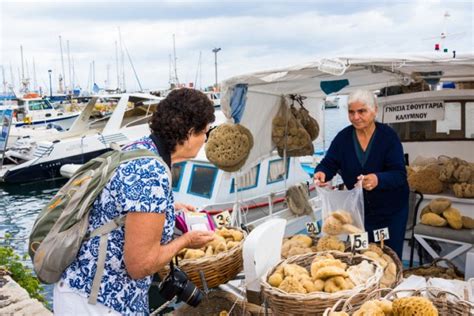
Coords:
pixel 372 73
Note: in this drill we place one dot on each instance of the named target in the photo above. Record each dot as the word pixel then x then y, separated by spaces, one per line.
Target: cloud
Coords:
pixel 253 37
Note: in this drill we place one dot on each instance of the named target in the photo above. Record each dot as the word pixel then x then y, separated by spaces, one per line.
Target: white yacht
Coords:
pixel 31 159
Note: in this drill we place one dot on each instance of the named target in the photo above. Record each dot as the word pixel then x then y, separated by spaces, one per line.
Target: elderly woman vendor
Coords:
pixel 139 189
pixel 371 151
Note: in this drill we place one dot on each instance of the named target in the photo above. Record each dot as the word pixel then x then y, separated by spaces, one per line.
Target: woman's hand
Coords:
pixel 320 179
pixel 185 207
pixel 369 181
pixel 197 238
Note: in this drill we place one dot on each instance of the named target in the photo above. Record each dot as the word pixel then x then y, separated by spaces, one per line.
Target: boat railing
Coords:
pixel 271 198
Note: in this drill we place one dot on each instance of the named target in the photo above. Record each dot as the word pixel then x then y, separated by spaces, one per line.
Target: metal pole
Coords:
pixel 215 51
pixel 50 84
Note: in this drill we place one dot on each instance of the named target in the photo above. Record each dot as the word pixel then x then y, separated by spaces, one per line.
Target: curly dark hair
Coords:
pixel 182 110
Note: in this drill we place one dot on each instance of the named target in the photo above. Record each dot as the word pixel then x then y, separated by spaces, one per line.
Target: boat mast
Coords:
pixel 22 64
pixel 35 84
pixel 71 79
pixel 117 66
pixel 12 77
pixel 93 73
pixel 175 63
pixel 4 82
pixel 23 80
pixel 107 82
pixel 63 74
pixel 122 60
pixel 73 75
pixel 198 72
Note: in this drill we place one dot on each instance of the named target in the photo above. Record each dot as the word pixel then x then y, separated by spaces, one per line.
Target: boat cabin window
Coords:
pixel 36 105
pixel 177 174
pixel 246 181
pixel 457 125
pixel 277 171
pixel 202 180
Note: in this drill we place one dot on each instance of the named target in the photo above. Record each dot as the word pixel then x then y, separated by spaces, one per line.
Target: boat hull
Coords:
pixel 47 170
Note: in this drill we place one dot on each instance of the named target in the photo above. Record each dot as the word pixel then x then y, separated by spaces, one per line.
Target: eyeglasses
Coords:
pixel 208 133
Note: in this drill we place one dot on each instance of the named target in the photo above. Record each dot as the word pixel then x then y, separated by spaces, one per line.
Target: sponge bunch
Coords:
pixel 439 212
pixel 339 222
pixel 224 240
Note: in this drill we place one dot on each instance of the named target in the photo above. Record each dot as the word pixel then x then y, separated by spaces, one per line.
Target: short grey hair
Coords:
pixel 364 96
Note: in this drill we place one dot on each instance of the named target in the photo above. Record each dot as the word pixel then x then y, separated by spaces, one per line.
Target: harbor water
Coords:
pixel 20 204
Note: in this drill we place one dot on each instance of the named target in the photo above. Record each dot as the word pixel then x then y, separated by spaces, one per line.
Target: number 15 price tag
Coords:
pixel 359 241
pixel 381 234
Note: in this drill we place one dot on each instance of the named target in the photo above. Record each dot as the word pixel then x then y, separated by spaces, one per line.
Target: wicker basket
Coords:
pixel 447 303
pixel 389 251
pixel 218 301
pixel 315 303
pixel 434 270
pixel 217 269
pixel 347 305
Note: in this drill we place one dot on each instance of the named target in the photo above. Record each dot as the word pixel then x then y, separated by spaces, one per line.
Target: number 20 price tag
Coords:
pixel 222 219
pixel 312 228
pixel 359 241
pixel 381 234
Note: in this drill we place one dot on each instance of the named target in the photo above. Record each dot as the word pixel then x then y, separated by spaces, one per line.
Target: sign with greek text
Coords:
pixel 417 111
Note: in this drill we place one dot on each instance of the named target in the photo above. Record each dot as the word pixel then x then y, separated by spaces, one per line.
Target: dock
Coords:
pixel 15 300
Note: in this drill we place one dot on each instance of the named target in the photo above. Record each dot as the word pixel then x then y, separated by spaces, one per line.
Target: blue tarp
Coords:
pixel 330 86
pixel 238 101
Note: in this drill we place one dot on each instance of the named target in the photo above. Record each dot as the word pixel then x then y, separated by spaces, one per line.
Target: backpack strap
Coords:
pixel 102 231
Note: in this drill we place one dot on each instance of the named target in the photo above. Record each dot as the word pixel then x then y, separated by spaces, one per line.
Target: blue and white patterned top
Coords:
pixel 138 186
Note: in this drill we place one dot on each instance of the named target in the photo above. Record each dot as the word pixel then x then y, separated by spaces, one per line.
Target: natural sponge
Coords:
pixel 467 222
pixel 413 306
pixel 463 190
pixel 433 219
pixel 453 217
pixel 228 146
pixel 426 181
pixel 326 243
pixel 439 205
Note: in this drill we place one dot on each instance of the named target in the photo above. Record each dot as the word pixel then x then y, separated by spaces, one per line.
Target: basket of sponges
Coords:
pixel 307 284
pixel 429 301
pixel 219 261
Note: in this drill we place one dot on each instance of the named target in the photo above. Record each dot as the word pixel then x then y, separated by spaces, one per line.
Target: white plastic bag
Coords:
pixel 343 211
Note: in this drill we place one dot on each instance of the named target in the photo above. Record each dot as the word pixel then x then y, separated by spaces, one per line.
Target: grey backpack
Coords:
pixel 61 226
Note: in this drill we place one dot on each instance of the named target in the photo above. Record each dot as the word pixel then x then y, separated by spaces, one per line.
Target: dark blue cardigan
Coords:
pixel 385 159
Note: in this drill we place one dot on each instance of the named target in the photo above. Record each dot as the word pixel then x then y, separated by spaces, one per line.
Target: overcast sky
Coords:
pixel 253 35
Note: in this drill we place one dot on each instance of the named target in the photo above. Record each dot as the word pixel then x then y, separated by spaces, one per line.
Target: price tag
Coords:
pixel 381 234
pixel 222 219
pixel 359 241
pixel 312 228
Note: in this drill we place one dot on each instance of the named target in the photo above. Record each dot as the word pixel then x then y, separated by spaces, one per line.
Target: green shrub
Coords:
pixel 23 275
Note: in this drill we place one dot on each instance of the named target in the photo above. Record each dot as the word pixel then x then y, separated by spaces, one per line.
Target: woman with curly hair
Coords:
pixel 141 190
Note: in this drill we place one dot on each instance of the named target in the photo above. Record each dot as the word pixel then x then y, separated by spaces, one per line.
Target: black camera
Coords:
pixel 177 284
